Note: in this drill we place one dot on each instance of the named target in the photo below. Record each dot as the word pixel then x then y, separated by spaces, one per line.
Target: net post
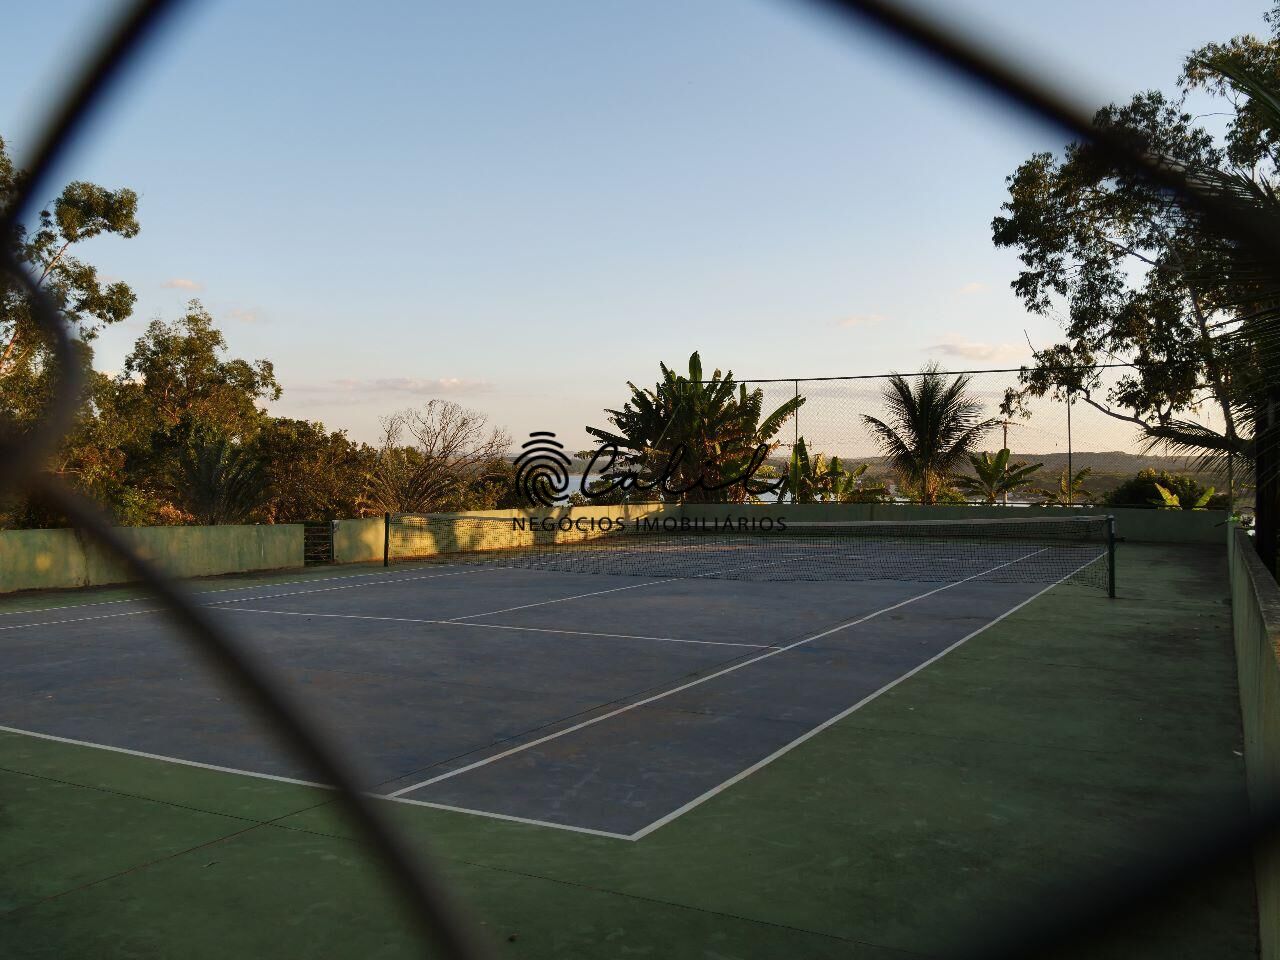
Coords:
pixel 1111 556
pixel 386 539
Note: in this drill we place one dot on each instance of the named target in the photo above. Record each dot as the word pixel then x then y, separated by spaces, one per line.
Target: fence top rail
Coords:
pixel 882 376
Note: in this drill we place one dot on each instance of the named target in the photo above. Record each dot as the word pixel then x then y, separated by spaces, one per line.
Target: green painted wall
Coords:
pixel 1255 614
pixel 357 541
pixel 49 559
pixel 360 541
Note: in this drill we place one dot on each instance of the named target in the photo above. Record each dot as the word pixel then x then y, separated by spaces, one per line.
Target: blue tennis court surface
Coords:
pixel 606 704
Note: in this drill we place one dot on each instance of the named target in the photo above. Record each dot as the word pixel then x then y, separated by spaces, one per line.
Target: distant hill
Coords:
pixel 1108 468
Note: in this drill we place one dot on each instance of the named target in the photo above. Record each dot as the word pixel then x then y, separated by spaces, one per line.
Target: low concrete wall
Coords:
pixel 357 541
pixel 52 559
pixel 1255 616
pixel 361 541
pixel 1135 524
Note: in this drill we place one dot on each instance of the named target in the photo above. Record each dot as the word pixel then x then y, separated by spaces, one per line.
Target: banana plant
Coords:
pixel 995 477
pixel 1070 490
pixel 1173 501
pixel 697 436
pixel 818 480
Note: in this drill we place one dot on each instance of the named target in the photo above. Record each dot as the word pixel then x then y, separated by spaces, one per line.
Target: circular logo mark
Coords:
pixel 542 469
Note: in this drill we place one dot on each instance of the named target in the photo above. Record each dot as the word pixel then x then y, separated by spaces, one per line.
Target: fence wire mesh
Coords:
pixel 1060 432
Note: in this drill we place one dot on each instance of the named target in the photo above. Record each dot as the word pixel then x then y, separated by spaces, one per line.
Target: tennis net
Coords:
pixel 1028 549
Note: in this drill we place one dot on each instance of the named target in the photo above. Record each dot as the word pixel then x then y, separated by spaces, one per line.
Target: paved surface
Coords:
pixel 1046 748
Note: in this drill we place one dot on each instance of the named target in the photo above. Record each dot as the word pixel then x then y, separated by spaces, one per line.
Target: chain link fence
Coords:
pixel 1061 433
pixel 830 422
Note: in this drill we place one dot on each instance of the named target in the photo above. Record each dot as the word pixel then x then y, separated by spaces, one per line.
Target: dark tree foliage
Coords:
pixel 81 212
pixel 934 424
pixel 703 433
pixel 1141 491
pixel 312 474
pixel 221 479
pixel 1126 271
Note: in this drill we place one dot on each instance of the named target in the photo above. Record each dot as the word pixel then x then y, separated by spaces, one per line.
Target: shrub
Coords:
pixel 1143 490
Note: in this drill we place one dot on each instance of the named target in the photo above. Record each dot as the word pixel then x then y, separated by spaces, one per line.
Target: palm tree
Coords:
pixel 932 429
pixel 222 481
pixel 1069 492
pixel 995 477
pixel 694 437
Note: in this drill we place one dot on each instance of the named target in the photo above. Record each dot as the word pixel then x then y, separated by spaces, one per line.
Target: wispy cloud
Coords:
pixel 383 386
pixel 973 287
pixel 985 352
pixel 182 283
pixel 242 315
pixel 860 320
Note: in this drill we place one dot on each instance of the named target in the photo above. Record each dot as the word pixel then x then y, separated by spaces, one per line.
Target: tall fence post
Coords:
pixel 1071 475
pixel 386 539
pixel 1231 481
pixel 1111 557
pixel 797 416
pixel 1004 494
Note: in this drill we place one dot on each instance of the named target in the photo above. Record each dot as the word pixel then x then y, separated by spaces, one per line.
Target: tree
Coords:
pixel 178 383
pixel 1070 490
pixel 222 481
pixel 995 477
pixel 818 480
pixel 86 303
pixel 81 212
pixel 1116 257
pixel 694 438
pixel 1250 71
pixel 1141 277
pixel 311 474
pixel 933 427
pixel 177 373
pixel 494 488
pixel 1161 489
pixel 429 458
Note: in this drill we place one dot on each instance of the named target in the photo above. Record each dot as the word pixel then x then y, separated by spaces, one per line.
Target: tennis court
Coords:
pixel 607 703
pixel 881 766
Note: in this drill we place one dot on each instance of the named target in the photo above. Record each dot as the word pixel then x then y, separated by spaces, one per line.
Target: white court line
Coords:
pixel 760 764
pixel 503 816
pixel 498 626
pixel 218 603
pixel 305 783
pixel 197 593
pixel 543 603
pixel 560 826
pixel 101 616
pixel 632 586
pixel 693 683
pixel 160 756
pixel 348 586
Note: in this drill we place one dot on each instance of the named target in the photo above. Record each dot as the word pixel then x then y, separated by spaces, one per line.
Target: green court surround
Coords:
pixel 1047 748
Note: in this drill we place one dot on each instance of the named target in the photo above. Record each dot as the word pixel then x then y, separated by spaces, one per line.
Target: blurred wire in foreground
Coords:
pixel 1069 919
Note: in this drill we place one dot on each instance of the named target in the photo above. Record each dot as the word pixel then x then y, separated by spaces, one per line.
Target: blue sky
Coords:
pixel 522 206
